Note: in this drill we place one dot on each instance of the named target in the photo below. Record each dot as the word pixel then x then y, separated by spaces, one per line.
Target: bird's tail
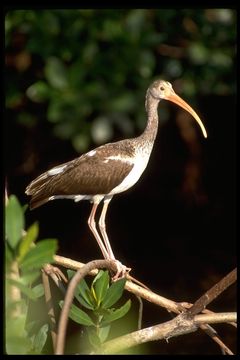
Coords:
pixel 39 191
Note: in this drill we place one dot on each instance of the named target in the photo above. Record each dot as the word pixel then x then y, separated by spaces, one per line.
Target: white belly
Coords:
pixel 140 164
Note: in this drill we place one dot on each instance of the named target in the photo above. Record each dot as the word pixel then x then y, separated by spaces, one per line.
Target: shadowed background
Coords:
pixel 76 79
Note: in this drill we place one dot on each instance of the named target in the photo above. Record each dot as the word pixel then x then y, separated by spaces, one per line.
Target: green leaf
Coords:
pixel 24 208
pixel 90 303
pixel 16 326
pixel 8 256
pixel 14 221
pixel 98 276
pixel 24 288
pixel 82 292
pixel 16 338
pixel 70 273
pixel 30 326
pixel 114 293
pixel 100 284
pixel 86 298
pixel 56 73
pixel 93 337
pixel 38 92
pixel 78 315
pixel 41 254
pixel 28 239
pixel 11 306
pixel 38 290
pixel 18 345
pixel 103 333
pixel 40 339
pixel 116 314
pixel 28 277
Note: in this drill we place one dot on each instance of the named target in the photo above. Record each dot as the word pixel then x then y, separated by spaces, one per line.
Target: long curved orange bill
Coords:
pixel 180 102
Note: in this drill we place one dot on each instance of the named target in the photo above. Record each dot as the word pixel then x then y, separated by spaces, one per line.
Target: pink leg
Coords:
pixel 121 269
pixel 102 227
pixel 92 225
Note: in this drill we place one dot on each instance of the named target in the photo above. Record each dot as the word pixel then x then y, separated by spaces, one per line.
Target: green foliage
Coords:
pixel 14 222
pixel 38 340
pixel 78 66
pixel 79 316
pixel 42 253
pixel 100 287
pixel 24 260
pixel 99 298
pixel 27 240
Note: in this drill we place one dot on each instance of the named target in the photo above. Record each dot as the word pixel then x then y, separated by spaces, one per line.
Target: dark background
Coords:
pixel 76 79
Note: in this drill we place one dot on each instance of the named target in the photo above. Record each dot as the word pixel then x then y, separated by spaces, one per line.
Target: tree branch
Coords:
pixel 214 336
pixel 180 325
pixel 173 306
pixel 212 293
pixel 215 318
pixel 50 307
pixel 129 286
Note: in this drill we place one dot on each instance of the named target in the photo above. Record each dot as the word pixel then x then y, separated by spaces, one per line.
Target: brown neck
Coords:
pixel 150 132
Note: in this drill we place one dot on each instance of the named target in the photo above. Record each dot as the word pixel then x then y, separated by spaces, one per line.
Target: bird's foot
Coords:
pixel 122 271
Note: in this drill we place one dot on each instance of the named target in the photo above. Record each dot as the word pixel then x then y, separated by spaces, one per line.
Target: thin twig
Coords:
pixel 81 273
pixel 50 307
pixel 140 312
pixel 152 297
pixel 212 293
pixel 215 337
pixel 215 318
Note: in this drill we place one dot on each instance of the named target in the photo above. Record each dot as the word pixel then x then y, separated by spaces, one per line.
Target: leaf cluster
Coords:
pixel 24 261
pixel 86 71
pixel 98 300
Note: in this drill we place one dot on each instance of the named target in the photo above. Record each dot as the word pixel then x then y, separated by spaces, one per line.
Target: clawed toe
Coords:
pixel 122 271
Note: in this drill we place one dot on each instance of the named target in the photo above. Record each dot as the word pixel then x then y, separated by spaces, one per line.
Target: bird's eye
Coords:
pixel 161 88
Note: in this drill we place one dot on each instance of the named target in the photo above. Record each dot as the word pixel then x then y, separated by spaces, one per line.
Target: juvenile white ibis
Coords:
pixel 107 170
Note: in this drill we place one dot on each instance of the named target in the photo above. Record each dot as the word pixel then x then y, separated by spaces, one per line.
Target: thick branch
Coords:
pixel 178 326
pixel 172 305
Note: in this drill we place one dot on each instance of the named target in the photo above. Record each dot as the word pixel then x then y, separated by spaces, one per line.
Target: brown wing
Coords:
pixel 92 174
pixel 90 177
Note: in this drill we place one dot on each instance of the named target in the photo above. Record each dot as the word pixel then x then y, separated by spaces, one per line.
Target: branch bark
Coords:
pixel 180 325
pixel 212 293
pixel 186 321
pixel 137 290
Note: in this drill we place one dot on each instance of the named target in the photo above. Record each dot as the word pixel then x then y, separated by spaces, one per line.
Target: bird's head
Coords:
pixel 161 89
